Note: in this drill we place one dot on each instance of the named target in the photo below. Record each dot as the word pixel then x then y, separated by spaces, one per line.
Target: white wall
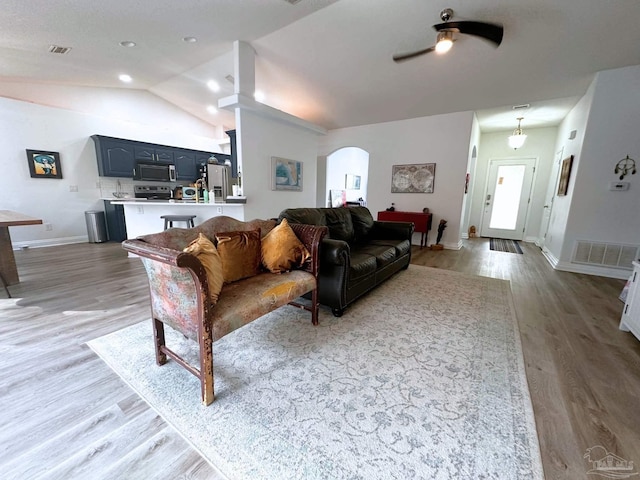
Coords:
pixel 348 160
pixel 612 132
pixel 575 120
pixel 472 163
pixel 540 145
pixel 440 139
pixel 259 139
pixel 26 125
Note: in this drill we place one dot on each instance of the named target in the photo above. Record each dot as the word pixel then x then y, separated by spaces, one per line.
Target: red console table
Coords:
pixel 422 221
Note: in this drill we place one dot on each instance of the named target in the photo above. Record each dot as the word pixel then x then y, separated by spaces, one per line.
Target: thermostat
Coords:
pixel 618 186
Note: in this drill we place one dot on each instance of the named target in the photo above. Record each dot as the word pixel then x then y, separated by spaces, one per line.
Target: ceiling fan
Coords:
pixel 488 31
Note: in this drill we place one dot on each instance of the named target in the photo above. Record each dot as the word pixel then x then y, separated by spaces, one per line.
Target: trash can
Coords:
pixel 96 226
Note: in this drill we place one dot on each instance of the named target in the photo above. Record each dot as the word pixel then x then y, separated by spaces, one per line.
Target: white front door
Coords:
pixel 507 198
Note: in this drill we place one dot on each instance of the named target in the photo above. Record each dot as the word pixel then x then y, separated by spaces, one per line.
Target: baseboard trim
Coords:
pixel 50 242
pixel 594 270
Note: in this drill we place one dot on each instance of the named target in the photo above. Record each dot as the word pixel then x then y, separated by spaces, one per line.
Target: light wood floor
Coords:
pixel 66 415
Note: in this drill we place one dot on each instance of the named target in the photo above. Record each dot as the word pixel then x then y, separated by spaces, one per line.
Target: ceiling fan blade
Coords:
pixel 488 31
pixel 407 56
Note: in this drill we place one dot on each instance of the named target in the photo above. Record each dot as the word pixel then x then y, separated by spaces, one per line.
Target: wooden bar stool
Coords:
pixel 169 219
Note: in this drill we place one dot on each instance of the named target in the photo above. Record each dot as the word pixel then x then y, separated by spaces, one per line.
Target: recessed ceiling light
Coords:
pixel 125 78
pixel 259 96
pixel 189 39
pixel 212 110
pixel 127 43
pixel 213 85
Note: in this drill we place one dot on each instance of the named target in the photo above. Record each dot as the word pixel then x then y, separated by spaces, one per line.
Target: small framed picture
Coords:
pixel 44 164
pixel 565 173
pixel 286 174
pixel 352 182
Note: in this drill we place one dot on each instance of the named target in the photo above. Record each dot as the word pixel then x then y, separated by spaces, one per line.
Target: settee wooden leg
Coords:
pixel 159 342
pixel 206 368
pixel 315 307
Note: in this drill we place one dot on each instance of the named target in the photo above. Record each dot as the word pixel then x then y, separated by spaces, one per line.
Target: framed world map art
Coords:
pixel 413 178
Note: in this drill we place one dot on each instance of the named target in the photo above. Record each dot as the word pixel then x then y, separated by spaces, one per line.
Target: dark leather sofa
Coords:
pixel 357 254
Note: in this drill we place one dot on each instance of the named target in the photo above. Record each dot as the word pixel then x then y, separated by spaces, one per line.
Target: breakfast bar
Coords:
pixel 143 217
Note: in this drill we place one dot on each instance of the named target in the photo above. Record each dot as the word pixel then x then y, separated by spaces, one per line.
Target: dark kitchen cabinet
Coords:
pixel 116 156
pixel 154 153
pixel 116 227
pixel 186 165
pixel 233 156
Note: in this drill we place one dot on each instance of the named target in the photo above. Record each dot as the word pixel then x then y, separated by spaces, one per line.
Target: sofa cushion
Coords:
pixel 362 222
pixel 402 246
pixel 361 265
pixel 205 250
pixel 240 254
pixel 282 250
pixel 384 254
pixel 306 216
pixel 339 223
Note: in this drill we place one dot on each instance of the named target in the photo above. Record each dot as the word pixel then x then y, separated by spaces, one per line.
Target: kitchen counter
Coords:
pixel 142 216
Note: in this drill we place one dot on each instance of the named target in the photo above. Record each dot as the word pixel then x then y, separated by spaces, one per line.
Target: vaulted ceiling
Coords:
pixel 328 61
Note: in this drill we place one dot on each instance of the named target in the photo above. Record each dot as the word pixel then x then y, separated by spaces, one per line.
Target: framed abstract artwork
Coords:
pixel 413 178
pixel 44 164
pixel 286 174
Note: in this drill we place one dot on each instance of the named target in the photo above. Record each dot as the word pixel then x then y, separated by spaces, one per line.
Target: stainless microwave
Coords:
pixel 155 172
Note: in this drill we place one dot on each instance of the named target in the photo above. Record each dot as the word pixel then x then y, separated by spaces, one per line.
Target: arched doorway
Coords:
pixel 348 171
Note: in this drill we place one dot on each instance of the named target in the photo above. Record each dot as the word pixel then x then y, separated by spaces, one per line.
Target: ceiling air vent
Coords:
pixel 521 107
pixel 292 2
pixel 58 49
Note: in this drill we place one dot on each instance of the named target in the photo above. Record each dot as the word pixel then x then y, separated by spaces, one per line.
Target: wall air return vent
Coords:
pixel 58 49
pixel 605 254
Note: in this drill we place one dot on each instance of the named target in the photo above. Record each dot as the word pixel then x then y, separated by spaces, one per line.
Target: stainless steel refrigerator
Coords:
pixel 219 180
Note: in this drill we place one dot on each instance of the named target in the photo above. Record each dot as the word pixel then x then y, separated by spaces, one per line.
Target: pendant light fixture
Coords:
pixel 517 139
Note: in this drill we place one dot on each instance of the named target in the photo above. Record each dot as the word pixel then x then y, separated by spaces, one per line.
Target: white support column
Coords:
pixel 244 68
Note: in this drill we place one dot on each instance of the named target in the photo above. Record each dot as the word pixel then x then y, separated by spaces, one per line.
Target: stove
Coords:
pixel 152 192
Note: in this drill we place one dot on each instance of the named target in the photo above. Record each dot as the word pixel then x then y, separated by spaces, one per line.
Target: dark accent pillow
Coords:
pixel 305 216
pixel 339 223
pixel 240 254
pixel 362 222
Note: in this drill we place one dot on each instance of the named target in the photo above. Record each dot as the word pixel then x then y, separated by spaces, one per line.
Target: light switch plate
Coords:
pixel 618 186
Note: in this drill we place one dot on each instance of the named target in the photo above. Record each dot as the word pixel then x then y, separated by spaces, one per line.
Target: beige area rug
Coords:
pixel 422 378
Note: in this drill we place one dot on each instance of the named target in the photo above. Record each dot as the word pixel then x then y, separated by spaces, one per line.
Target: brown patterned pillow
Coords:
pixel 240 253
pixel 206 252
pixel 282 250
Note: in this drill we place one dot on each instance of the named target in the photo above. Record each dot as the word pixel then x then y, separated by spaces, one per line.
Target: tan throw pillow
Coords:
pixel 206 252
pixel 282 250
pixel 240 253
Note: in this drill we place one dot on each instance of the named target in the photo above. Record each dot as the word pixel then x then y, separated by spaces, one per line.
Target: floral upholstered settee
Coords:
pixel 180 285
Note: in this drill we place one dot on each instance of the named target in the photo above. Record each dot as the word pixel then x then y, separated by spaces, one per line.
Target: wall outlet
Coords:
pixel 219 209
pixel 140 209
pixel 48 227
pixel 73 188
pixel 98 185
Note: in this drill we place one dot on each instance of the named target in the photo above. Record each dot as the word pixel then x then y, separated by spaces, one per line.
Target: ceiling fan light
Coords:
pixel 444 42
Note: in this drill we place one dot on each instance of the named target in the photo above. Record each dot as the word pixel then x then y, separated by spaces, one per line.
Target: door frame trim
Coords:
pixel 536 161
